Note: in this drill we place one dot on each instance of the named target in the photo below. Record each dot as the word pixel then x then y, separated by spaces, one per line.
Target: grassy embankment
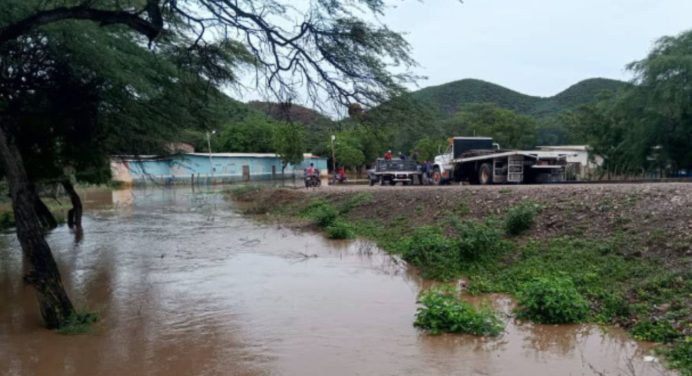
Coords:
pixel 59 210
pixel 606 258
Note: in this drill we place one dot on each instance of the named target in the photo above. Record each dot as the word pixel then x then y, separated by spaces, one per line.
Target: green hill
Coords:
pixel 448 98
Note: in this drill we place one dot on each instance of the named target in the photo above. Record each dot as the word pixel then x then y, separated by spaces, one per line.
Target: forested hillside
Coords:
pixel 448 99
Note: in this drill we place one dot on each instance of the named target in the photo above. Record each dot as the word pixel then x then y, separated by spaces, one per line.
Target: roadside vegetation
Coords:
pixel 599 268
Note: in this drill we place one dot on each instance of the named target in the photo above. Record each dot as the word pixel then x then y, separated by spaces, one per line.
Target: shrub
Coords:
pixel 339 230
pixel 441 311
pixel 551 300
pixel 435 254
pixel 520 218
pixel 478 241
pixel 323 213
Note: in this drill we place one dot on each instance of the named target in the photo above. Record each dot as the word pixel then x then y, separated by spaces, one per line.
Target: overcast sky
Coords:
pixel 537 47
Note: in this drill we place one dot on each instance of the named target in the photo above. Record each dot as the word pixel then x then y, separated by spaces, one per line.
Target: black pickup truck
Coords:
pixel 393 171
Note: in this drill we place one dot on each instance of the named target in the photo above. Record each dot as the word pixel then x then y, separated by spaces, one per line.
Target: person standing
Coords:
pixel 388 155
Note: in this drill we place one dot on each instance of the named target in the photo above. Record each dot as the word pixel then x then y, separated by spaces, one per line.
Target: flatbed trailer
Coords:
pixel 479 161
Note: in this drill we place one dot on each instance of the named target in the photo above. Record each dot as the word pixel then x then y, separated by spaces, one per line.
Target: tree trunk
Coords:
pixel 74 216
pixel 45 217
pixel 43 272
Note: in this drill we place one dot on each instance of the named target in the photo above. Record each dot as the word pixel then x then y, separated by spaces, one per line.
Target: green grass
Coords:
pixel 59 211
pixel 441 311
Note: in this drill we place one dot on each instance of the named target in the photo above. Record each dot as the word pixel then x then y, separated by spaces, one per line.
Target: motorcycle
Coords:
pixel 312 180
pixel 339 179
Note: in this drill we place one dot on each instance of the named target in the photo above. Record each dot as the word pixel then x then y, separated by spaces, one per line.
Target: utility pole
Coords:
pixel 333 156
pixel 211 165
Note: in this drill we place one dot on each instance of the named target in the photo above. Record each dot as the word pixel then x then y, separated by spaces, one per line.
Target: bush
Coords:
pixel 478 241
pixel 435 254
pixel 323 213
pixel 441 311
pixel 520 218
pixel 339 230
pixel 551 300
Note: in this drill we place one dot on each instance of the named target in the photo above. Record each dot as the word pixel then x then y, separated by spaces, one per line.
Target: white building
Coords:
pixel 580 163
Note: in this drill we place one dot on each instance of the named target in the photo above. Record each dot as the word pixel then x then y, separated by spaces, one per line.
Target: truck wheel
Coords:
pixel 436 178
pixel 485 174
pixel 372 182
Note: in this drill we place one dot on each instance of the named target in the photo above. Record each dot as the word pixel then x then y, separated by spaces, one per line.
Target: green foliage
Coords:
pixel 509 129
pixel 443 257
pixel 645 128
pixel 440 311
pixel 251 134
pixel 323 213
pixel 679 356
pixel 428 147
pixel 655 331
pixel 520 218
pixel 478 241
pixel 348 153
pixel 78 323
pixel 551 300
pixel 436 255
pixel 339 229
pixel 288 143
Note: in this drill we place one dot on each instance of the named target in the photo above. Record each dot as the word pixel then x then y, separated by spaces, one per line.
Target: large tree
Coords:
pixel 647 126
pixel 506 127
pixel 329 53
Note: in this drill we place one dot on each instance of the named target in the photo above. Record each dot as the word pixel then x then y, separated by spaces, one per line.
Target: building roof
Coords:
pixel 565 147
pixel 245 155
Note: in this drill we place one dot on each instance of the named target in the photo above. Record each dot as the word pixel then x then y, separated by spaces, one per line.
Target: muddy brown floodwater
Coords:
pixel 185 285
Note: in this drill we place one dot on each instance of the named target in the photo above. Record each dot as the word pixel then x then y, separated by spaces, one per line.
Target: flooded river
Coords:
pixel 185 285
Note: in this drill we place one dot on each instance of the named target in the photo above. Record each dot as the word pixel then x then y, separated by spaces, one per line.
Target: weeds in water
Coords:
pixel 339 229
pixel 520 218
pixel 441 311
pixel 78 323
pixel 551 300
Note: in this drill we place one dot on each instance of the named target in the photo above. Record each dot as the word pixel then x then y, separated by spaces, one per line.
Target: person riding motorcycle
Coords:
pixel 312 176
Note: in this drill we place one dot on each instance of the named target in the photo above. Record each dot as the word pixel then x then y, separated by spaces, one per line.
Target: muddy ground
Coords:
pixel 656 218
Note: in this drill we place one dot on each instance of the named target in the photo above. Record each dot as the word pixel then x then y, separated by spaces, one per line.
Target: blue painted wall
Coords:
pixel 183 166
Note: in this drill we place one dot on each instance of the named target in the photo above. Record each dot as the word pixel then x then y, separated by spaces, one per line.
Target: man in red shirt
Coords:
pixel 388 155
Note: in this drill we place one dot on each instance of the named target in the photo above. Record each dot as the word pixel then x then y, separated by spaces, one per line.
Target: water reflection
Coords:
pixel 185 285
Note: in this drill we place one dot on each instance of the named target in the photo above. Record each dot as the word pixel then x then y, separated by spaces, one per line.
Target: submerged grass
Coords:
pixel 78 323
